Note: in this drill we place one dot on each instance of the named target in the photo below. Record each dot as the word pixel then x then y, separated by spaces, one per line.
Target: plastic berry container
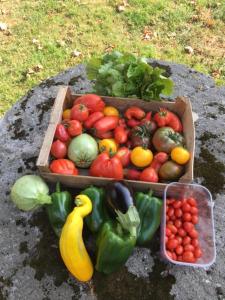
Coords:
pixel 205 225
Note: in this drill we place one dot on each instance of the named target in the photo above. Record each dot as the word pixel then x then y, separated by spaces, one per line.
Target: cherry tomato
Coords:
pixel 188 226
pixel 177 204
pixel 192 201
pixel 173 218
pixel 169 254
pixel 79 112
pixel 167 207
pixel 186 207
pixel 193 233
pixel 172 236
pixel 186 240
pixel 195 242
pixel 167 218
pixel 58 149
pixel 179 239
pixel 189 247
pixel 178 223
pixel 179 250
pixel 197 252
pixel 66 114
pixel 188 256
pixel 170 212
pixel 182 232
pixel 172 228
pixel 178 212
pixel 166 239
pixel 172 244
pixel 187 217
pixel 194 210
pixel 179 258
pixel 168 231
pixel 194 219
pixel 170 201
pixel 174 256
pixel 74 127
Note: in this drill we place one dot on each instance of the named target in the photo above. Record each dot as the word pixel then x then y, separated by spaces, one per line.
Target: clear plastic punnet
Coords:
pixel 205 226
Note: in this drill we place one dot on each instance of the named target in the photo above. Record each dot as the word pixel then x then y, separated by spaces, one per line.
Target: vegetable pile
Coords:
pixel 125 75
pixel 133 144
pixel 181 240
pixel 117 218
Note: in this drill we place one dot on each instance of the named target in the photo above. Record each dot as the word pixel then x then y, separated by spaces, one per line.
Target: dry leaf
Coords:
pixel 216 73
pixel 76 53
pixel 8 32
pixel 120 8
pixel 189 49
pixel 3 26
pixel 109 48
pixel 34 69
pixel 148 34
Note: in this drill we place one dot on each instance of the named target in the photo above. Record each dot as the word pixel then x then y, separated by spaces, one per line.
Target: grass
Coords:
pixel 95 27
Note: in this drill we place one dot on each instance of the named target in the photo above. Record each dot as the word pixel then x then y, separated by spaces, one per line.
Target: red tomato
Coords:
pixel 63 166
pixel 106 124
pixel 104 166
pixel 120 134
pixel 133 174
pixel 179 258
pixel 188 256
pixel 186 207
pixel 174 256
pixel 193 233
pixel 173 218
pixel 187 217
pixel 92 119
pixel 58 149
pixel 170 201
pixel 91 101
pixel 189 247
pixel 74 127
pixel 170 212
pixel 194 219
pixel 178 212
pixel 195 242
pixel 197 252
pixel 61 133
pixel 179 250
pixel 172 228
pixel 172 244
pixel 177 204
pixel 188 226
pixel 79 112
pixel 194 210
pixel 167 218
pixel 134 112
pixel 104 135
pixel 179 239
pixel 166 239
pixel 178 223
pixel 192 201
pixel 172 236
pixel 149 174
pixel 169 254
pixel 186 240
pixel 124 156
pixel 168 231
pixel 182 232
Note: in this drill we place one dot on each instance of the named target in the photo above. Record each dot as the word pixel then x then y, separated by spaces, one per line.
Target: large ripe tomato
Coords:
pixel 170 171
pixel 141 157
pixel 61 133
pixel 124 156
pixel 149 174
pixel 165 139
pixel 63 166
pixel 106 124
pixel 58 149
pixel 121 134
pixel 180 155
pixel 79 112
pixel 92 101
pixel 108 145
pixel 104 166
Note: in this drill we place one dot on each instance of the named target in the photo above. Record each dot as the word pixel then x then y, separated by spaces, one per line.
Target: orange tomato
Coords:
pixel 66 114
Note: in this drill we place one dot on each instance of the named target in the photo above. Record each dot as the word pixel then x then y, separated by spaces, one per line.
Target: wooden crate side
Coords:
pixel 56 116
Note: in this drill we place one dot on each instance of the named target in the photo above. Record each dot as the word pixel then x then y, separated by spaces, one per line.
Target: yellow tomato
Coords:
pixel 141 157
pixel 66 114
pixel 180 155
pixel 110 111
pixel 108 145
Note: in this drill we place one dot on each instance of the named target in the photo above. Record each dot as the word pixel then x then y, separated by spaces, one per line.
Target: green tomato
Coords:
pixel 82 150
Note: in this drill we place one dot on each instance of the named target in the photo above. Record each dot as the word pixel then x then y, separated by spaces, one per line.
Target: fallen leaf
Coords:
pixel 3 26
pixel 38 68
pixel 109 48
pixel 76 53
pixel 148 34
pixel 216 73
pixel 120 8
pixel 189 49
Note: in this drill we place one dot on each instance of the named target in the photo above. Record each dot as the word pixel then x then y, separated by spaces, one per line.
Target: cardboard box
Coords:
pixel 65 99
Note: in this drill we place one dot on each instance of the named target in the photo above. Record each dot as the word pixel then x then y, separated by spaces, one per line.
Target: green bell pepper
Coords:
pixel 114 247
pixel 116 241
pixel 58 211
pixel 99 214
pixel 149 209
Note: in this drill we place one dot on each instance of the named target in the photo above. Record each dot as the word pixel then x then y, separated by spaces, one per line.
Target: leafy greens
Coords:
pixel 125 75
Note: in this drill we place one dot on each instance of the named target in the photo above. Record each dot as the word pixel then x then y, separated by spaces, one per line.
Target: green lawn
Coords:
pixel 155 28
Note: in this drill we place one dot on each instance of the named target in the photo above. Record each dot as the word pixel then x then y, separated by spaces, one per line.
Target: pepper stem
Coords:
pixel 130 220
pixel 58 187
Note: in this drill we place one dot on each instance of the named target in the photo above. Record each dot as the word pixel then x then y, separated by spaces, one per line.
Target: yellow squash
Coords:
pixel 72 248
